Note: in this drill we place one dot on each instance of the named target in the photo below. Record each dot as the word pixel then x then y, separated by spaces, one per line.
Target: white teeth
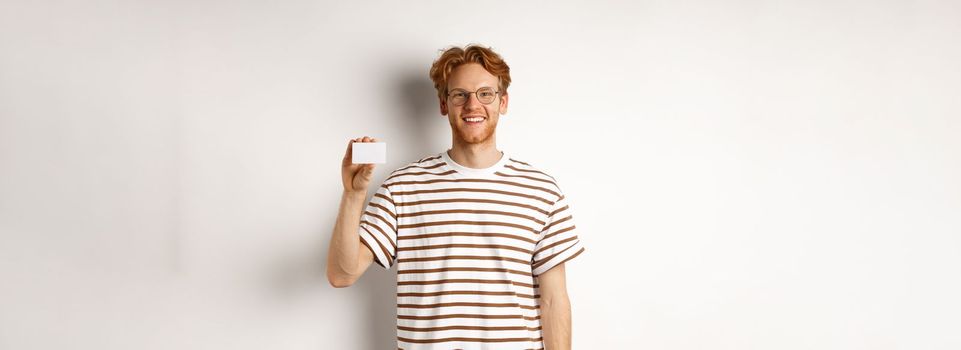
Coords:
pixel 477 119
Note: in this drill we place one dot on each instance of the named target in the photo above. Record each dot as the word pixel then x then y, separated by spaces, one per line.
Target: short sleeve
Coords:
pixel 557 242
pixel 378 227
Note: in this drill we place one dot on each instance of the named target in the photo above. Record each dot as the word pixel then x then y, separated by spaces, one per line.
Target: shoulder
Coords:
pixel 521 167
pixel 420 166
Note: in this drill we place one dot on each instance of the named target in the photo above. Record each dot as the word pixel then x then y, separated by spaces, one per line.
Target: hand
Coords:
pixel 356 177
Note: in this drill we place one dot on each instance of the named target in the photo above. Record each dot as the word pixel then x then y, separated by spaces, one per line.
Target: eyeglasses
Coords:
pixel 485 95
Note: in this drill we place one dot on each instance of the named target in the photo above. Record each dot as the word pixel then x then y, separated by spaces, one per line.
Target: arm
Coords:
pixel 347 258
pixel 555 309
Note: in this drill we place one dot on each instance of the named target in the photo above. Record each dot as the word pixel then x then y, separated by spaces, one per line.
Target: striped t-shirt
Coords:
pixel 469 244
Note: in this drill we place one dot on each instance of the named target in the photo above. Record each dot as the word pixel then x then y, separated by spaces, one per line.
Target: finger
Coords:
pixel 350 148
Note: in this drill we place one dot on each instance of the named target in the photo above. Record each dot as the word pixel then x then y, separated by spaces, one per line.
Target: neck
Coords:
pixel 478 156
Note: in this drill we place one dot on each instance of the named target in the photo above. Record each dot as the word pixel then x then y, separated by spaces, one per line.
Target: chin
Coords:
pixel 475 138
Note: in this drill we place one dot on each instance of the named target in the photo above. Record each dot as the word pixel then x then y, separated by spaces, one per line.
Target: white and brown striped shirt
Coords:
pixel 469 244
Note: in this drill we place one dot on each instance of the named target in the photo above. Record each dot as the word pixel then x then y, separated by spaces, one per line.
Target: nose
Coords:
pixel 472 102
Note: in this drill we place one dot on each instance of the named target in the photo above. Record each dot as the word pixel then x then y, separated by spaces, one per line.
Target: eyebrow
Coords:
pixel 483 86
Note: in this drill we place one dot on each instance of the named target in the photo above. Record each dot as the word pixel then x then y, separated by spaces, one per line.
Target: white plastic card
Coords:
pixel 369 152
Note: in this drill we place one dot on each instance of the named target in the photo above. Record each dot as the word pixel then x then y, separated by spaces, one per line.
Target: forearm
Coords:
pixel 343 257
pixel 556 323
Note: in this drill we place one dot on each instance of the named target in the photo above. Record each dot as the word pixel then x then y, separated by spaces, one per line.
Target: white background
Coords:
pixel 744 174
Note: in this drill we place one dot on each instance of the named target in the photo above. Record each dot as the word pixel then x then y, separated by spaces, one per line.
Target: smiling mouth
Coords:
pixel 473 120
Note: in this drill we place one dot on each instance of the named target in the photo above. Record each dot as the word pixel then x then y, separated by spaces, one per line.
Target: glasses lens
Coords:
pixel 458 97
pixel 486 95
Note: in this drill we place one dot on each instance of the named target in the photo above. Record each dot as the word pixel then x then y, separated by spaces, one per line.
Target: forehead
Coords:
pixel 471 76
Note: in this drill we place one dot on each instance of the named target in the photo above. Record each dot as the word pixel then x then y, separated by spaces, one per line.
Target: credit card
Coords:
pixel 369 152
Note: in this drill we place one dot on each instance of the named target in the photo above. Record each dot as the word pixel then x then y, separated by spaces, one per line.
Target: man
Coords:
pixel 480 238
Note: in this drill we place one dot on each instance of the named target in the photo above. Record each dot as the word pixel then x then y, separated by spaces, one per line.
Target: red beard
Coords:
pixel 475 134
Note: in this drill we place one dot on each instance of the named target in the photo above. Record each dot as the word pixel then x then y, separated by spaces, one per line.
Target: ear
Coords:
pixel 503 107
pixel 443 106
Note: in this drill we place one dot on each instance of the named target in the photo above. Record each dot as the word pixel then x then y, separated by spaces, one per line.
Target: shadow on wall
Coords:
pixel 377 288
pixel 415 93
pixel 417 97
pixel 298 273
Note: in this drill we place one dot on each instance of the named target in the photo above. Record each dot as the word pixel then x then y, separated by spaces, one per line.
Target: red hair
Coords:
pixel 455 56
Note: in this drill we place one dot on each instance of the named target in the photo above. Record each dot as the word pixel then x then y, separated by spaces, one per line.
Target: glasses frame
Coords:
pixel 469 93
